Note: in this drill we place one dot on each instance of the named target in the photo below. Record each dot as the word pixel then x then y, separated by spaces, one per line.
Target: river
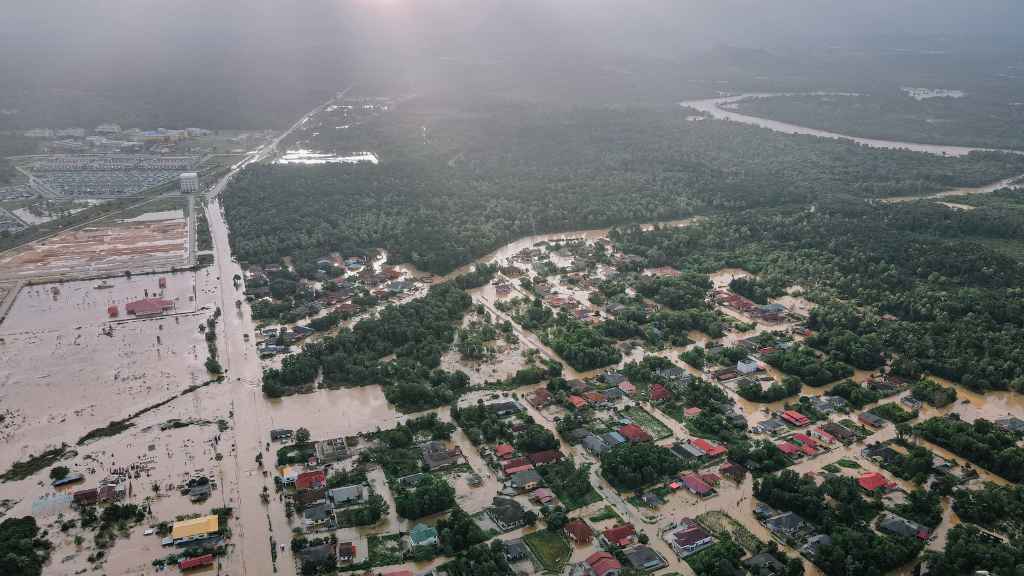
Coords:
pixel 723 109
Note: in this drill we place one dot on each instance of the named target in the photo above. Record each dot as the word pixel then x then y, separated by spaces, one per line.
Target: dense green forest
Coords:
pixel 972 120
pixel 455 181
pixel 892 267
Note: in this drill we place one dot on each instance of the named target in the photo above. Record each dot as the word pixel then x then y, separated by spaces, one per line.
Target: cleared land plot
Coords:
pixel 720 523
pixel 550 549
pixel 103 248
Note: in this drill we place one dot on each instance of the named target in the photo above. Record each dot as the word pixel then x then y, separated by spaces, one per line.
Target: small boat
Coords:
pixel 103 285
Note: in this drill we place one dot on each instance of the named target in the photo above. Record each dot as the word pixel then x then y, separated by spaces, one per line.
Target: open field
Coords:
pixel 550 548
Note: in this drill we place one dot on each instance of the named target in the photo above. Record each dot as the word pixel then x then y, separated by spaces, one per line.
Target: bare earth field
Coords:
pixel 140 245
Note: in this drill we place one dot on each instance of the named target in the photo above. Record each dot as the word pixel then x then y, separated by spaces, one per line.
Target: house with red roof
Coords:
pixel 788 448
pixel 696 485
pixel 577 402
pixel 517 469
pixel 504 451
pixel 710 449
pixel 542 496
pixel 539 398
pixel 805 440
pixel 711 478
pixel 196 562
pixel 311 480
pixel 514 463
pixel 734 471
pixel 873 482
pixel 635 434
pixel 691 412
pixel 795 418
pixel 545 457
pixel 659 393
pixel 579 532
pixel 602 564
pixel 148 306
pixel 594 397
pixel 825 437
pixel 619 536
pixel 627 387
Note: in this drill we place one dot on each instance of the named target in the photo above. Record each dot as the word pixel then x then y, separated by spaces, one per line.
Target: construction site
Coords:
pixel 149 243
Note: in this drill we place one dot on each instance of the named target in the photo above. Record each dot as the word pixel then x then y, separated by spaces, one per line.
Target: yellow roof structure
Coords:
pixel 195 527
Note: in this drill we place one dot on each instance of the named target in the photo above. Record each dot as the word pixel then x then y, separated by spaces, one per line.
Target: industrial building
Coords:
pixel 188 182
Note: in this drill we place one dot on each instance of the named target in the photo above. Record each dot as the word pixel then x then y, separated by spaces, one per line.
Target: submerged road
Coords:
pixel 259 528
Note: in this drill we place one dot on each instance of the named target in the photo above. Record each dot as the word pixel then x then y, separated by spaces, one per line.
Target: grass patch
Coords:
pixel 857 429
pixel 295 453
pixel 550 548
pixel 648 422
pixel 204 240
pixel 847 463
pixel 606 513
pixel 160 204
pixel 831 468
pixel 893 413
pixel 720 523
pixel 384 549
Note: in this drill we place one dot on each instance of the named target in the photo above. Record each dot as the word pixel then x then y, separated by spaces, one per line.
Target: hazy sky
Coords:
pixel 253 52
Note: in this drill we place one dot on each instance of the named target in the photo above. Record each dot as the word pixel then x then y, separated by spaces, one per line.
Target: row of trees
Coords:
pixel 980 442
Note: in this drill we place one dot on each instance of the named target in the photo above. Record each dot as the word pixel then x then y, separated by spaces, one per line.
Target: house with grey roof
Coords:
pixel 765 564
pixel 423 535
pixel 613 439
pixel 346 495
pixel 810 549
pixel 644 558
pixel 525 480
pixel 594 445
pixel 785 524
pixel 507 513
pixel 319 516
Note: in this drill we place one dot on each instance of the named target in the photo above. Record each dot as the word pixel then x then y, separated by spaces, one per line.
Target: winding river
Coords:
pixel 723 108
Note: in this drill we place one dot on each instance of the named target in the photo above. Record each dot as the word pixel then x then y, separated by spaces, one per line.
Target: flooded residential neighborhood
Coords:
pixel 575 288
